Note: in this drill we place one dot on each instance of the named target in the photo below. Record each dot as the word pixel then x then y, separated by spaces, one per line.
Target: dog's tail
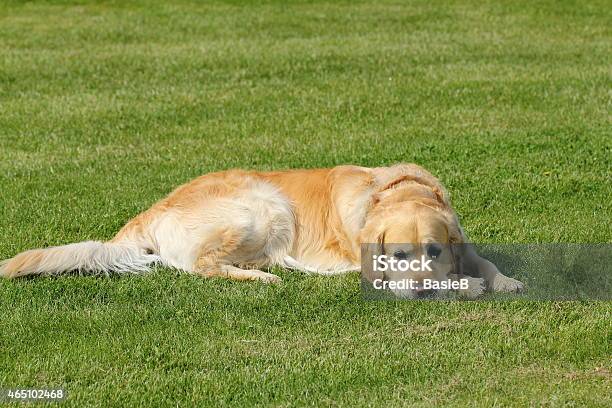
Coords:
pixel 88 257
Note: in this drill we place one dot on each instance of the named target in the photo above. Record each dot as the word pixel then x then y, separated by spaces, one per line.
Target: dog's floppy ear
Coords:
pixel 372 243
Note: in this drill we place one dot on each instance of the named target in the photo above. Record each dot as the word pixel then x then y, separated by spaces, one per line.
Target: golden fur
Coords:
pixel 233 222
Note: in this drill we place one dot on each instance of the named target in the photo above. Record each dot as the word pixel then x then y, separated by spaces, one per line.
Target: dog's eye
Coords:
pixel 399 254
pixel 434 251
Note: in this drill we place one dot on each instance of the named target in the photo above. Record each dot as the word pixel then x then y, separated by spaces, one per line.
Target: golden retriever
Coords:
pixel 232 223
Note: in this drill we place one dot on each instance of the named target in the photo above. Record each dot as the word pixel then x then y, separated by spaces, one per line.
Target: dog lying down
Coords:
pixel 233 223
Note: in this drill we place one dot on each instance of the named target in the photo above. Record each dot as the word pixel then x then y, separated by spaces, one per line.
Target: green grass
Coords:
pixel 105 107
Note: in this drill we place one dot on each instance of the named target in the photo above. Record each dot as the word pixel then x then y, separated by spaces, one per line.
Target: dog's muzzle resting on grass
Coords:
pixel 234 222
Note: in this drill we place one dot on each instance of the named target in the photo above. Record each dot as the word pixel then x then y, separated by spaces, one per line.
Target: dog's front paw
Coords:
pixel 476 287
pixel 504 283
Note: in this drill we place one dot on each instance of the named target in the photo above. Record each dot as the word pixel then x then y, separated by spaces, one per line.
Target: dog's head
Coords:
pixel 413 230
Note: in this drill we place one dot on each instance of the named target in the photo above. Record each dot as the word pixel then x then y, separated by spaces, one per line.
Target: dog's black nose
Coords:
pixel 426 293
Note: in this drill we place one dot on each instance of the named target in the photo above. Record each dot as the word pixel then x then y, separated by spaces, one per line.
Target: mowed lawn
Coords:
pixel 105 107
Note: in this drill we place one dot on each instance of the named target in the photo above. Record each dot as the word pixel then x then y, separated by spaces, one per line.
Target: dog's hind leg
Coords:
pixel 208 270
pixel 215 257
pixel 292 263
pixel 238 274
